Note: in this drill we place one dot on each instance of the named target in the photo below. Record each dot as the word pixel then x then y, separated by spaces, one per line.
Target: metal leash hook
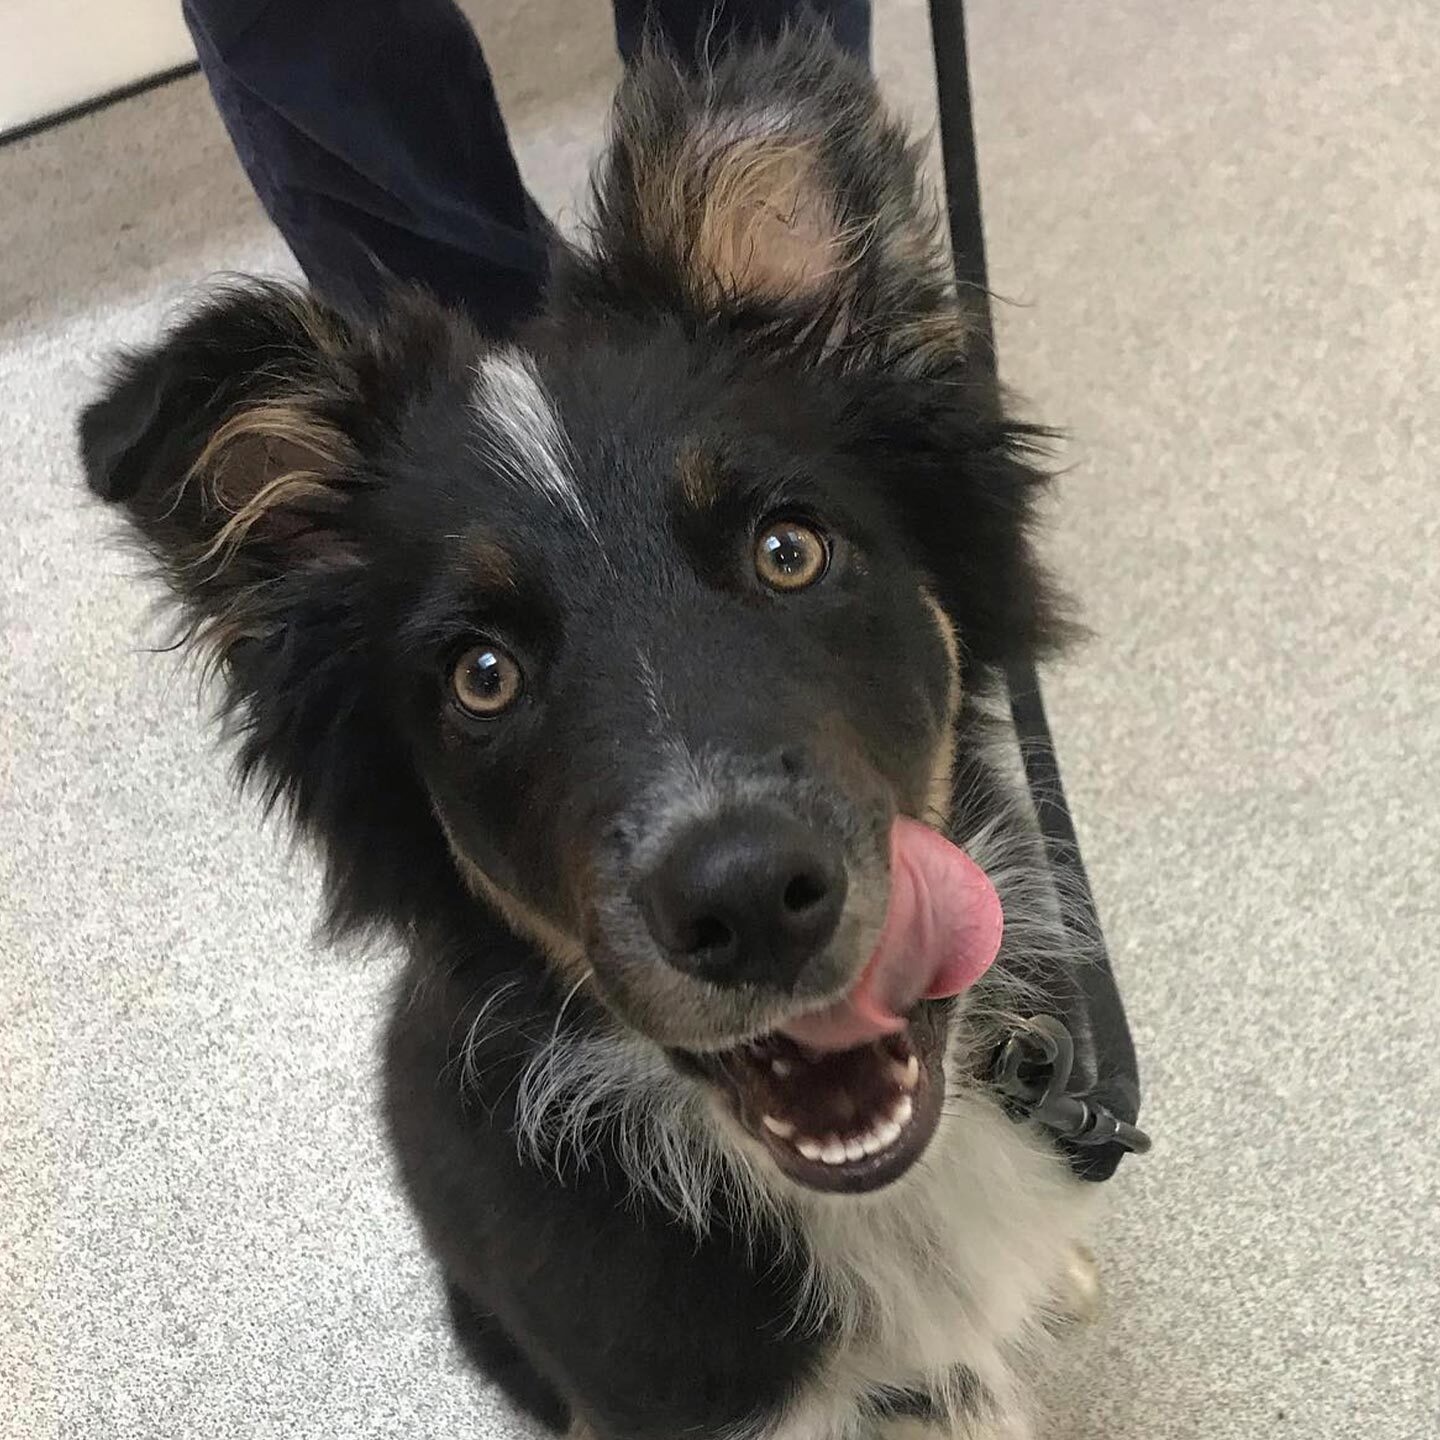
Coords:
pixel 1033 1071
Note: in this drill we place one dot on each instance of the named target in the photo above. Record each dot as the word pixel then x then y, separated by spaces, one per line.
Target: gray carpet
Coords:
pixel 1221 224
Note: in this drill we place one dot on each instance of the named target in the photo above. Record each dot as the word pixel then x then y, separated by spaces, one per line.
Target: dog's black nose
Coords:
pixel 746 897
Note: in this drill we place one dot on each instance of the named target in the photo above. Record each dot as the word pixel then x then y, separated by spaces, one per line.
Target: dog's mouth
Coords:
pixel 844 1121
pixel 847 1097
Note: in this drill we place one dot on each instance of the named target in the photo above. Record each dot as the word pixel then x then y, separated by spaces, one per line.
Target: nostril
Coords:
pixel 803 893
pixel 710 932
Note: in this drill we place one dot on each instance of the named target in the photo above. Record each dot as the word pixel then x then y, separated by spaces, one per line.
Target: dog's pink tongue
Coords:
pixel 942 930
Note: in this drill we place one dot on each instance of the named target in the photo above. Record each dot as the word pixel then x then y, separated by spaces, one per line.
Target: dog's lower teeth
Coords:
pixel 834 1149
pixel 781 1068
pixel 911 1076
pixel 904 1109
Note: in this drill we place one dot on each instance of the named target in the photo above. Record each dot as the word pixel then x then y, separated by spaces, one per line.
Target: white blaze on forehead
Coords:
pixel 521 431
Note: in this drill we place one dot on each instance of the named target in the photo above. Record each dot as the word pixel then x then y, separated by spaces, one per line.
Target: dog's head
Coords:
pixel 650 626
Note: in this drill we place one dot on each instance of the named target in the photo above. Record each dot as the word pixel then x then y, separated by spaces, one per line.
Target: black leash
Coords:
pixel 1073 1071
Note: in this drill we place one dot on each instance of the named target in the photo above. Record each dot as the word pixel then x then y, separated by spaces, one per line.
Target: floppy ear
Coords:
pixel 230 447
pixel 234 447
pixel 775 194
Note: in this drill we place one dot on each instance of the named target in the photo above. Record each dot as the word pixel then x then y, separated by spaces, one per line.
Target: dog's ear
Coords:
pixel 774 194
pixel 230 446
pixel 236 449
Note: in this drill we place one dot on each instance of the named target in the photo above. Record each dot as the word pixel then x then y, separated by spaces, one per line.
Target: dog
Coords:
pixel 635 673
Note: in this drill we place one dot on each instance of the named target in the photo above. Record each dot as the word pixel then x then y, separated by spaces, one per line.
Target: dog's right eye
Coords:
pixel 790 555
pixel 486 681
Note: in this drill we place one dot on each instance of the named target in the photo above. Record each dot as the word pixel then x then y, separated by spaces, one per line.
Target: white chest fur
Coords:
pixel 963 1266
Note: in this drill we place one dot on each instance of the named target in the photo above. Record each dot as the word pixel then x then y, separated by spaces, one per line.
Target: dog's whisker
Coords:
pixel 565 1004
pixel 496 998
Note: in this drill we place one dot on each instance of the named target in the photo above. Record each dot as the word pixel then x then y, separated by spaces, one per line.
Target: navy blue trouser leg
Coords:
pixel 371 132
pixel 692 27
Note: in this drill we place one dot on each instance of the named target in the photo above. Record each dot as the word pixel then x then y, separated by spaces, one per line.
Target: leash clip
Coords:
pixel 1033 1072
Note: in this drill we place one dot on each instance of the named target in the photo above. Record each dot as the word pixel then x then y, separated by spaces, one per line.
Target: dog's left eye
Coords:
pixel 790 554
pixel 486 681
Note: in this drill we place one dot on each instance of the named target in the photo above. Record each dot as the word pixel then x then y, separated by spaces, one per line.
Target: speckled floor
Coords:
pixel 1222 226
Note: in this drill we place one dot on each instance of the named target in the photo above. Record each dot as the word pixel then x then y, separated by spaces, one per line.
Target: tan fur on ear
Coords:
pixel 776 181
pixel 746 213
pixel 265 460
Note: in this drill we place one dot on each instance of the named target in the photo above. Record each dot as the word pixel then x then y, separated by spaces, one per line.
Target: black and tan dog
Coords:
pixel 632 672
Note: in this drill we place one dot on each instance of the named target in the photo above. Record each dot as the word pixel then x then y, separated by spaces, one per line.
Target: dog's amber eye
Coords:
pixel 486 681
pixel 789 555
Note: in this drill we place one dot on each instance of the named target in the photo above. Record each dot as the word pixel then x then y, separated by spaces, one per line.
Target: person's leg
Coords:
pixel 371 133
pixel 691 29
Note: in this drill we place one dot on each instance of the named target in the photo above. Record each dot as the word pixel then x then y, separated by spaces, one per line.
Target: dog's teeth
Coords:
pixel 833 1150
pixel 911 1078
pixel 887 1132
pixel 781 1068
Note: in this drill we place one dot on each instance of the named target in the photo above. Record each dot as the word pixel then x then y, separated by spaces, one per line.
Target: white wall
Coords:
pixel 55 53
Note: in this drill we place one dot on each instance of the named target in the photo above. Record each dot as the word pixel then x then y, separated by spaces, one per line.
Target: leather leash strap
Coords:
pixel 1074 1071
